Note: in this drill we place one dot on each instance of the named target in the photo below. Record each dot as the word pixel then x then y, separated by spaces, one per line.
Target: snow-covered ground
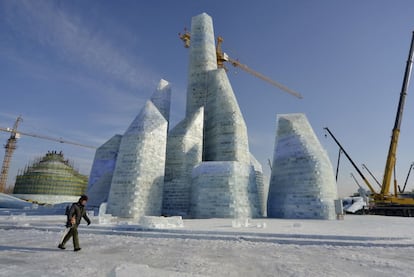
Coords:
pixel 356 246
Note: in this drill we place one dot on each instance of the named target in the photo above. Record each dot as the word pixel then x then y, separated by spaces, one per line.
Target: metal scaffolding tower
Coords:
pixel 10 147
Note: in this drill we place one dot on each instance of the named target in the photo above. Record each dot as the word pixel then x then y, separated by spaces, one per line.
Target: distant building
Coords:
pixel 50 179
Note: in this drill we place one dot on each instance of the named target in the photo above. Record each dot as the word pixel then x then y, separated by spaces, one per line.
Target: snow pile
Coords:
pixel 156 222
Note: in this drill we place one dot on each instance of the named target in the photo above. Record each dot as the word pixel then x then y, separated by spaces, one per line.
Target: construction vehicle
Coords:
pixel 11 146
pixel 384 202
pixel 356 204
pixel 223 57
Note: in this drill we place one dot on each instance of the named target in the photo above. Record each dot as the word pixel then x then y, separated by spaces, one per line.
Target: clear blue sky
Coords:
pixel 82 70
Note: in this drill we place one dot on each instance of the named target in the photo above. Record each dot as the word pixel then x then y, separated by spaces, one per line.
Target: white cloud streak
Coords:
pixel 70 40
pixel 112 74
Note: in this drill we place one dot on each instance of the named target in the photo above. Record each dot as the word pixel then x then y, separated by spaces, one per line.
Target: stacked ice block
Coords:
pixel 302 183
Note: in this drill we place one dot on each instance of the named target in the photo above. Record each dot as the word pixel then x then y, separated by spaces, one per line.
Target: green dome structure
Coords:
pixel 51 175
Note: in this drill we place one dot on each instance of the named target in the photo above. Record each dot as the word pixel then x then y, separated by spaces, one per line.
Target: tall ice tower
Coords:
pixel 224 181
pixel 202 60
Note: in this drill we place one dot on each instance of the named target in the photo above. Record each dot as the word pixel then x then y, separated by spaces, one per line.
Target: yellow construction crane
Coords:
pixel 185 37
pixel 385 202
pixel 223 57
pixel 11 146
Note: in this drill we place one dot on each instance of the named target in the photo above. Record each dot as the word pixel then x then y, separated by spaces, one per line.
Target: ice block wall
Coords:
pixel 161 98
pixel 202 59
pixel 137 184
pixel 225 131
pixel 153 172
pixel 225 183
pixel 262 189
pixel 184 152
pixel 224 190
pixel 302 183
pixel 102 171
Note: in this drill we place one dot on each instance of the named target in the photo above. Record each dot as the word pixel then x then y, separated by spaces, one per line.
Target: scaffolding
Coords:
pixel 51 175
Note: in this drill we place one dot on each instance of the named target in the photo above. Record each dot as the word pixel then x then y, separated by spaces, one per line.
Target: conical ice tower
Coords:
pixel 302 184
pixel 138 178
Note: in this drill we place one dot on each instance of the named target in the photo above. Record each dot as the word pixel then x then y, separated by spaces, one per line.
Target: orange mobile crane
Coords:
pixel 385 202
pixel 11 146
pixel 223 57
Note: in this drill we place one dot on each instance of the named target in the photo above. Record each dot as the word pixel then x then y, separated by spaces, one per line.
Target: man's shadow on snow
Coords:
pixel 27 249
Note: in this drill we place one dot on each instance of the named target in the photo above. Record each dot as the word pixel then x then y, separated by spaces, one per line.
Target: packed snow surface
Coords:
pixel 356 246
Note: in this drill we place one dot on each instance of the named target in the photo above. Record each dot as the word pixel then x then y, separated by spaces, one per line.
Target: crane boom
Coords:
pixel 60 140
pixel 356 181
pixel 223 57
pixel 384 202
pixel 406 179
pixel 264 78
pixel 11 146
pixel 391 158
pixel 372 175
pixel 351 161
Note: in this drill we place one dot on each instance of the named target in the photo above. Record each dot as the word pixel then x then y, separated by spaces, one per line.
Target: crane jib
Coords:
pixel 11 146
pixel 404 88
pixel 392 151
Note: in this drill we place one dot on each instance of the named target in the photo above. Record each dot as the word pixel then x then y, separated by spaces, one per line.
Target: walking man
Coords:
pixel 76 212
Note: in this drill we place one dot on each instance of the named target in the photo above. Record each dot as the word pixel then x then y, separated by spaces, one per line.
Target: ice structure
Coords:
pixel 224 189
pixel 224 183
pixel 209 171
pixel 138 178
pixel 161 98
pixel 184 152
pixel 262 187
pixel 102 171
pixel 302 182
pixel 10 202
pixel 202 60
pixel 225 132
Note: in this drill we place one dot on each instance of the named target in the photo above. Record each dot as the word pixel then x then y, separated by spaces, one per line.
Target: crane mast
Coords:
pixel 391 158
pixel 385 203
pixel 10 147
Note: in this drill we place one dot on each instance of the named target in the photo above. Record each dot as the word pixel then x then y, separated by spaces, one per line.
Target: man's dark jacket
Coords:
pixel 78 211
